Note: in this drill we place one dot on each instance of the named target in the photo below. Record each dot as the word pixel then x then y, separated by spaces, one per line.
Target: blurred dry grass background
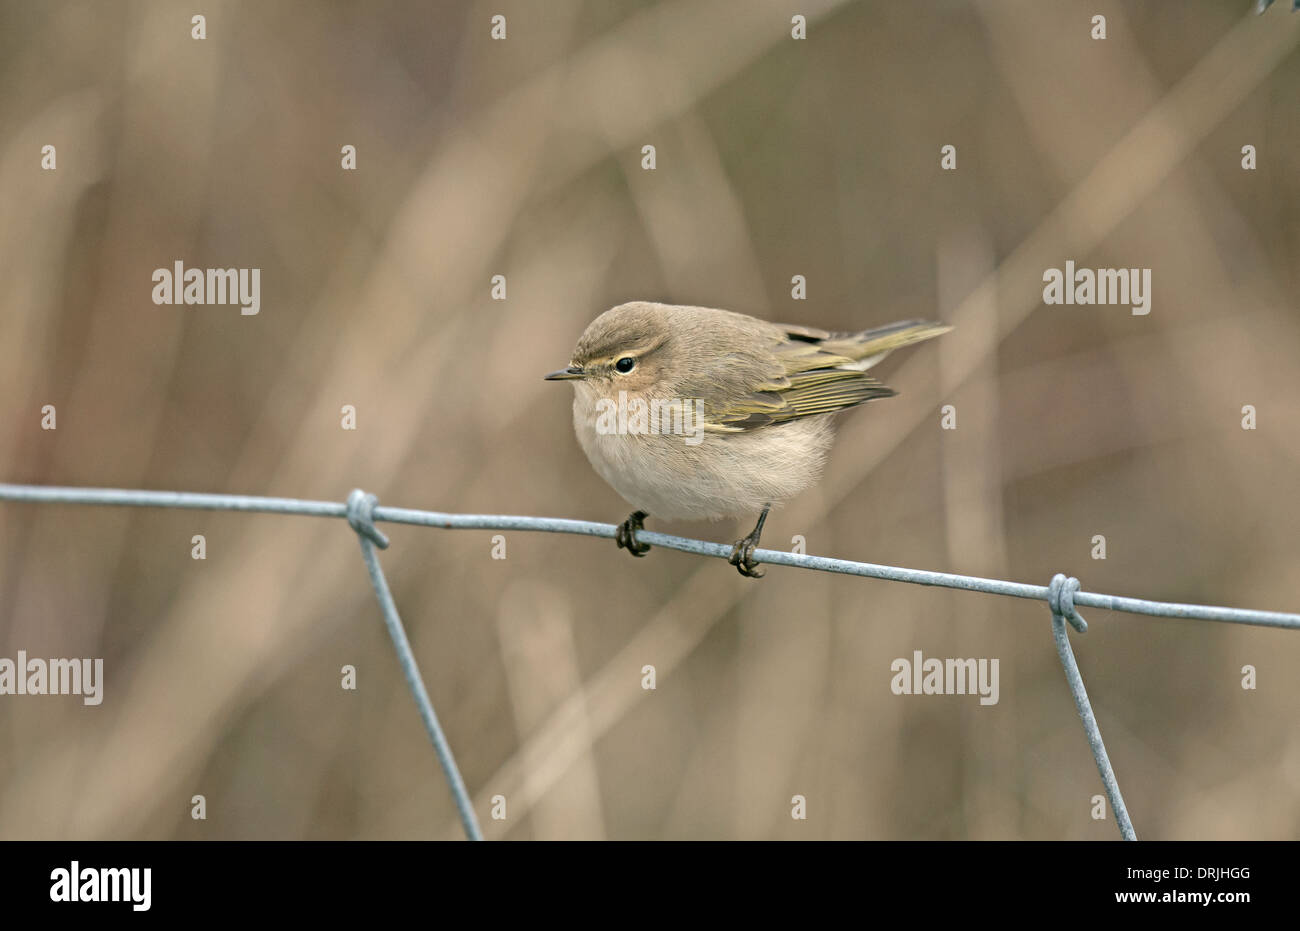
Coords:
pixel 522 158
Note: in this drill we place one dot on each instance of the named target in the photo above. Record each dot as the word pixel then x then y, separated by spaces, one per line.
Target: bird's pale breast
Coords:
pixel 724 475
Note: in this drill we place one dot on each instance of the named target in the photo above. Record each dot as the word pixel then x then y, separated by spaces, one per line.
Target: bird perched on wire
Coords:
pixel 693 413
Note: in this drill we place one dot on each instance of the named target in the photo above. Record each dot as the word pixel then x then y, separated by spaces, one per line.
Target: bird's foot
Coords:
pixel 626 535
pixel 742 553
pixel 742 557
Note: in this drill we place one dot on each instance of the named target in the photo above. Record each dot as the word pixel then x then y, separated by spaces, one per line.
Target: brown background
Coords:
pixel 522 158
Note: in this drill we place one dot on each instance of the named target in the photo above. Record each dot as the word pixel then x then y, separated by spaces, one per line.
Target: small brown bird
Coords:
pixel 692 413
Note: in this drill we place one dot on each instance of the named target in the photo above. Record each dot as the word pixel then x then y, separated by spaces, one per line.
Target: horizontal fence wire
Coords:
pixel 1062 595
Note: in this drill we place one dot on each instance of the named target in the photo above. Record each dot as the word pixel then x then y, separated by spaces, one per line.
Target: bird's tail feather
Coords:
pixel 870 346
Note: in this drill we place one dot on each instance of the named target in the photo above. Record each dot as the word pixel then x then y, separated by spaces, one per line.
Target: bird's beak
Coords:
pixel 573 371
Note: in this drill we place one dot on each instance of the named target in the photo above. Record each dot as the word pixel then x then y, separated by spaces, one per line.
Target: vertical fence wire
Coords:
pixel 1061 601
pixel 360 509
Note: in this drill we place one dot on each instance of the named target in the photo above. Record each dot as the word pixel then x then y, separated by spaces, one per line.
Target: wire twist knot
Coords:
pixel 361 517
pixel 1060 598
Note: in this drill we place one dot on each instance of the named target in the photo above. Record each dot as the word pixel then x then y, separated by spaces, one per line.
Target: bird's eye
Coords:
pixel 625 364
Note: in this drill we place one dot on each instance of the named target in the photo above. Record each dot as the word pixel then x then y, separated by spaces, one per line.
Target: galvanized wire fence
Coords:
pixel 1062 594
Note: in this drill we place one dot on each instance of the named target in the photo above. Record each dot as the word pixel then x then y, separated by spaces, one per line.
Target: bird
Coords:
pixel 699 413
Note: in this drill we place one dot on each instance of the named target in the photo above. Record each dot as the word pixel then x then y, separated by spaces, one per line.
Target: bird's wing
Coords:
pixel 811 372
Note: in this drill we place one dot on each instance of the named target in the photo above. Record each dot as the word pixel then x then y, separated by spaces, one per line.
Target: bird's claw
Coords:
pixel 625 537
pixel 742 553
pixel 742 557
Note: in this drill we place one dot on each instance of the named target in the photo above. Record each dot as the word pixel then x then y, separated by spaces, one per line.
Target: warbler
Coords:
pixel 694 413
